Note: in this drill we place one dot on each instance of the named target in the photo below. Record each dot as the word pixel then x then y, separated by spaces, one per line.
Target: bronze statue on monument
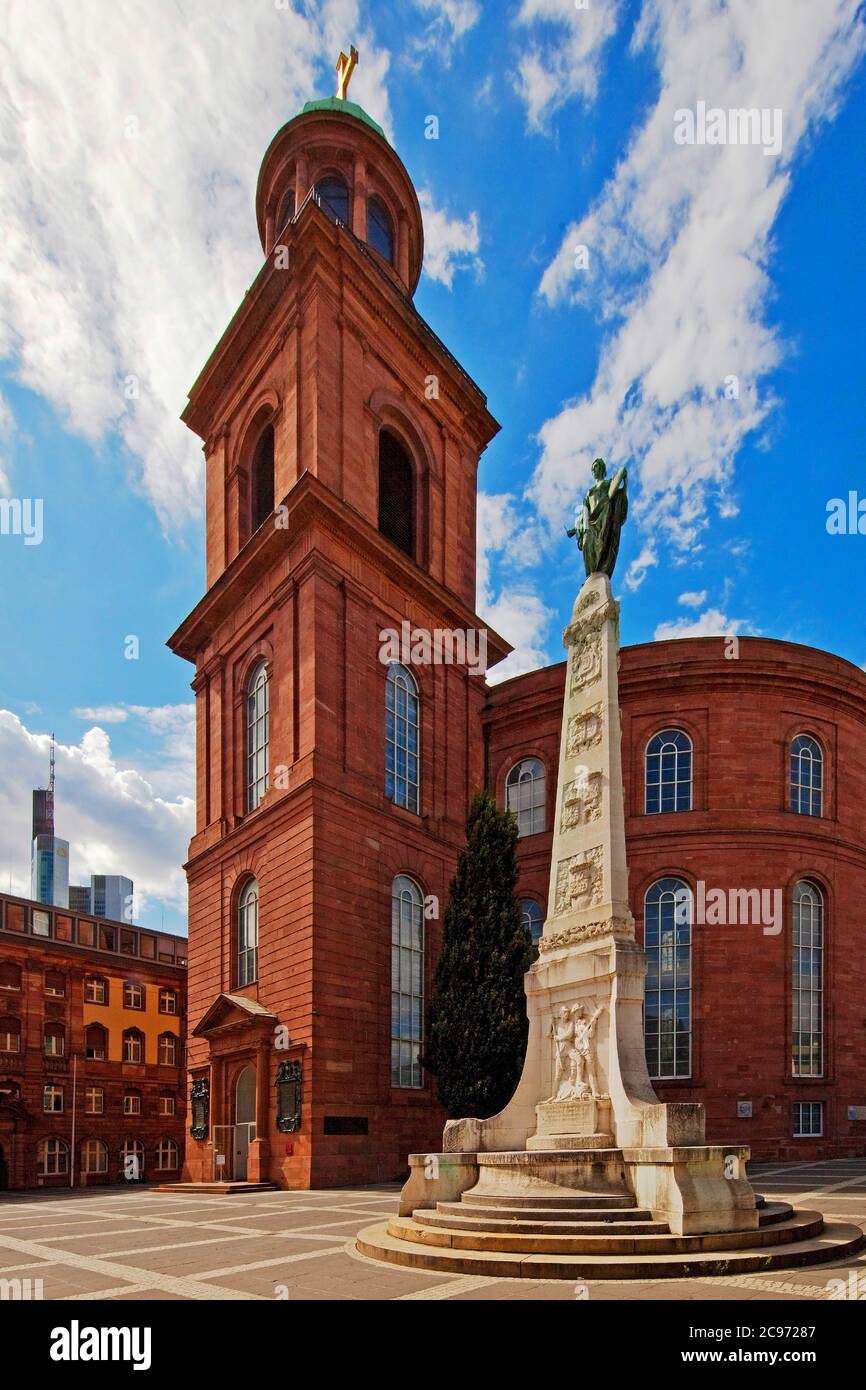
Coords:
pixel 599 520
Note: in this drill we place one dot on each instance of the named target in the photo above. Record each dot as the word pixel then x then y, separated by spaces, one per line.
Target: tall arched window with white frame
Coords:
pixel 807 980
pixel 668 772
pixel 407 981
pixel 526 795
pixel 668 1006
pixel 807 776
pixel 247 934
pixel 258 735
pixel 402 718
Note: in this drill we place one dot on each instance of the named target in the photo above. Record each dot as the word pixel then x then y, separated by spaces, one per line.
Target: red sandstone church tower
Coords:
pixel 341 441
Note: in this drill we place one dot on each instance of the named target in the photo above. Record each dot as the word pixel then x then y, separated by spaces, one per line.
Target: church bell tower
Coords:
pixel 341 442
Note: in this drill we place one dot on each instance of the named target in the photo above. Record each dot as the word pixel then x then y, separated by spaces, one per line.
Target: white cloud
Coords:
pixel 516 611
pixel 449 20
pixel 679 243
pixel 712 623
pixel 118 817
pixel 127 256
pixel 566 63
pixel 449 243
pixel 693 599
pixel 103 714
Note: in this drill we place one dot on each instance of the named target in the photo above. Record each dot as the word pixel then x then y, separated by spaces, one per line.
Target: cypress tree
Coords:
pixel 477 1025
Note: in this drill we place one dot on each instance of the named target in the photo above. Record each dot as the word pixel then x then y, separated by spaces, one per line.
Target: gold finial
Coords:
pixel 345 68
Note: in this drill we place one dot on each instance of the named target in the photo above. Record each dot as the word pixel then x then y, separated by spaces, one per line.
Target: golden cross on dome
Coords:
pixel 345 68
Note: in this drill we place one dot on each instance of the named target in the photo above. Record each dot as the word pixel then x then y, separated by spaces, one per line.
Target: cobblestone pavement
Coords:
pixel 139 1244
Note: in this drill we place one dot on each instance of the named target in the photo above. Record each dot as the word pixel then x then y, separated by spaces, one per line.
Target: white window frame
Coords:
pixel 402 738
pixel 526 796
pixel 257 734
pixel 678 916
pixel 407 983
pixel 247 928
pixel 668 749
pixel 811 1107
pixel 51 1091
pixel 808 930
pixel 809 756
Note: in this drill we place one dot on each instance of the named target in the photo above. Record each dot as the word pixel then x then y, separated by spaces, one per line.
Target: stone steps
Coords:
pixel 800 1241
pixel 213 1189
pixel 595 1223
pixel 573 1201
pixel 804 1225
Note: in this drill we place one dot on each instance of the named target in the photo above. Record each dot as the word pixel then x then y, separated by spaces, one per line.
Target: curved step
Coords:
pixel 805 1225
pixel 509 1214
pixel 835 1242
pixel 572 1201
pixel 545 1226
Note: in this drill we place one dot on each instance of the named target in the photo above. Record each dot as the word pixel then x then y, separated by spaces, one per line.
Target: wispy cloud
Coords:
pixel 450 243
pixel 563 56
pixel 679 246
pixel 135 133
pixel 712 623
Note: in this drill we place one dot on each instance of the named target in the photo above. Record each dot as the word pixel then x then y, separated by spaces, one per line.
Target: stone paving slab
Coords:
pixel 121 1245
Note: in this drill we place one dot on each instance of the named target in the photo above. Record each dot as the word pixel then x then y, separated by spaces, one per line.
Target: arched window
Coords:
pixel 96 1042
pixel 10 975
pixel 132 1159
pixel 532 918
pixel 262 479
pixel 54 1040
pixel 396 493
pixel 401 737
pixel 668 1008
pixel 807 776
pixel 380 229
pixel 55 983
pixel 133 1045
pixel 407 981
pixel 333 197
pixel 94 1156
pixel 807 962
pixel 166 1155
pixel 10 1034
pixel 525 795
pixel 247 933
pixel 258 735
pixel 52 1158
pixel 669 772
pixel 167 1054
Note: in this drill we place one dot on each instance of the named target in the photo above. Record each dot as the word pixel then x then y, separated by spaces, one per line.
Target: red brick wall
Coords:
pixel 741 715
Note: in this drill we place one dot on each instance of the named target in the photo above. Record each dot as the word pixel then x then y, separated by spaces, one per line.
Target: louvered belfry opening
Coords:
pixel 262 479
pixel 396 493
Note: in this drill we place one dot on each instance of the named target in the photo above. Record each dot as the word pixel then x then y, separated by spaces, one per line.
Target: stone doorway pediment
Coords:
pixel 234 1011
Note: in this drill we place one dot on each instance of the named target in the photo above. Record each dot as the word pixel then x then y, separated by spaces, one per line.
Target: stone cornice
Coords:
pixel 308 504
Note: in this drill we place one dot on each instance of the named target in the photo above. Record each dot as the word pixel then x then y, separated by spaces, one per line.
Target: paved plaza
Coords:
pixel 141 1244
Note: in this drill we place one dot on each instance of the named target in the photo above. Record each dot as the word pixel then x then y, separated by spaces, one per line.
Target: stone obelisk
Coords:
pixel 584 1115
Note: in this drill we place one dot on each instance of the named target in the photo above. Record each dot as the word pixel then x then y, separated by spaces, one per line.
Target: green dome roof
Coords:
pixel 346 108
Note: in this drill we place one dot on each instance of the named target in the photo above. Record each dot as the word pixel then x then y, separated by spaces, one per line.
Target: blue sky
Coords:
pixel 135 139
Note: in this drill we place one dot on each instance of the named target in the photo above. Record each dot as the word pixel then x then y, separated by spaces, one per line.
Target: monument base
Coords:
pixel 572 1124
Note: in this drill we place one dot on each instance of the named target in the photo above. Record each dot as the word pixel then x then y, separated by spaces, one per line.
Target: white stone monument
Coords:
pixel 584 1116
